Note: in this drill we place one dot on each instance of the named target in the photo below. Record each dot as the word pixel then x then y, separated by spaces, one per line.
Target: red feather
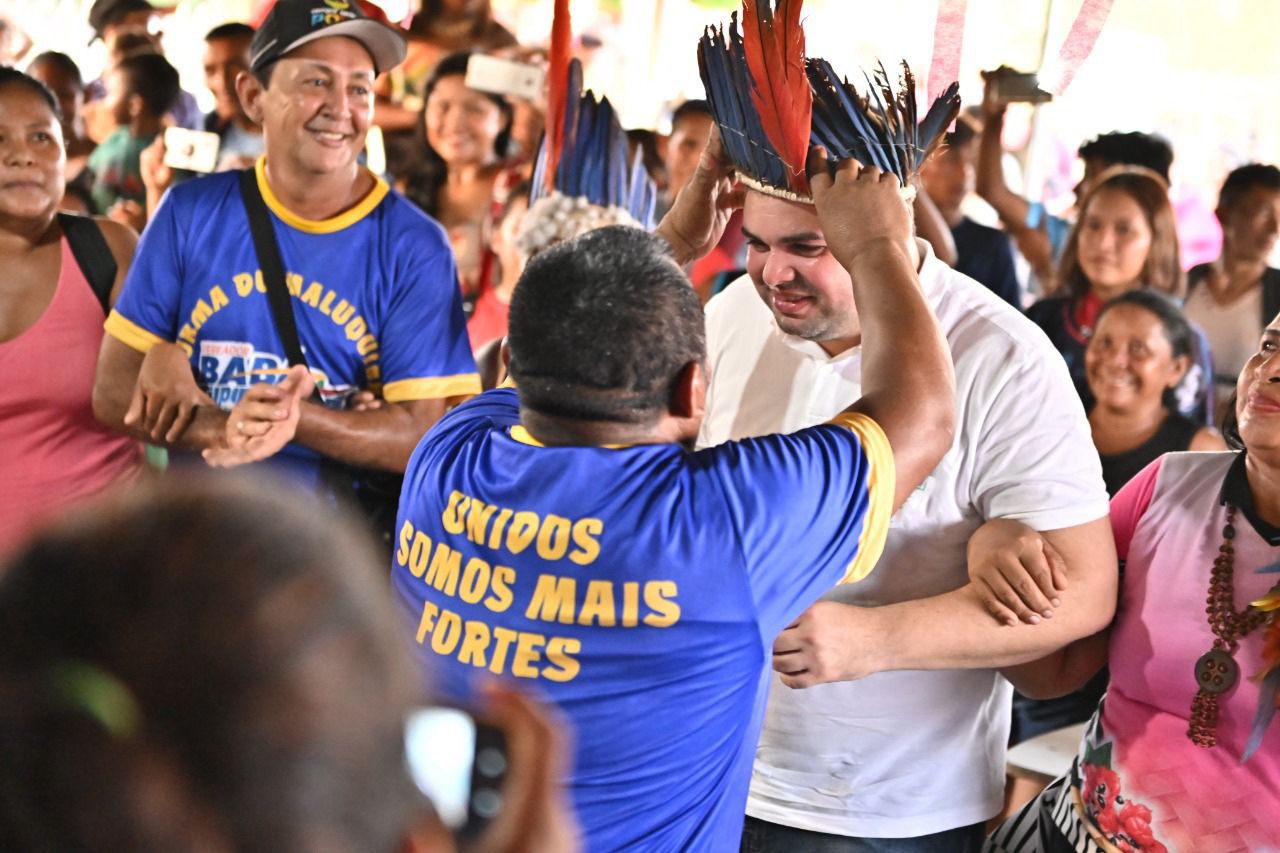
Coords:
pixel 773 44
pixel 558 60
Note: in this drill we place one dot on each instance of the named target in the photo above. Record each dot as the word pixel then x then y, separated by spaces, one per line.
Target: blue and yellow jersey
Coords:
pixel 639 588
pixel 374 290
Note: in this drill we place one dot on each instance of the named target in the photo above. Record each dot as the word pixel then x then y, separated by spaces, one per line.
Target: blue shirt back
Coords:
pixel 638 588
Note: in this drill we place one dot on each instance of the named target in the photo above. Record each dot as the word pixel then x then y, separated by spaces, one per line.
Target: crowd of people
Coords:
pixel 768 526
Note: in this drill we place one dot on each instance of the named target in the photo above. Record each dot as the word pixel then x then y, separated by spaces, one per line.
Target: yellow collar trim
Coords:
pixel 522 435
pixel 343 220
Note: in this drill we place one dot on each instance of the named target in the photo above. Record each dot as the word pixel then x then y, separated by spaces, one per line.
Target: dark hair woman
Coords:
pixel 55 452
pixel 464 134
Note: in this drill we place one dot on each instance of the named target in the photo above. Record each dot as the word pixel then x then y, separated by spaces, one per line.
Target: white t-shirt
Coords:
pixel 902 754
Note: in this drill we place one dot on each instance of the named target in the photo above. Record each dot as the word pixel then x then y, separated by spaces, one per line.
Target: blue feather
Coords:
pixel 1266 710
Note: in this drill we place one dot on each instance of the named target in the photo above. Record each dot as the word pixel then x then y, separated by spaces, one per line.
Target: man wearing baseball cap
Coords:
pixel 371 281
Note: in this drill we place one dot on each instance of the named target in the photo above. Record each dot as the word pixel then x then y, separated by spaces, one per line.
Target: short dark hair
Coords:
pixel 62 62
pixel 10 76
pixel 1130 149
pixel 171 636
pixel 232 30
pixel 152 78
pixel 601 327
pixel 1240 181
pixel 1177 330
pixel 691 107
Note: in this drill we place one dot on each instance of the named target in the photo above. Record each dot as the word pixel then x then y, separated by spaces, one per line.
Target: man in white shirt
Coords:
pixel 904 749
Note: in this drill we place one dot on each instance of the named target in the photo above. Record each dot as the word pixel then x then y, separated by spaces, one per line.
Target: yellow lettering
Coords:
pixel 528 652
pixel 187 334
pixel 443 572
pixel 373 373
pixel 243 283
pixel 327 305
pixel 259 283
pixel 630 604
pixel 523 529
pixel 448 633
pixel 500 596
pixel 367 345
pixel 293 282
pixel 585 532
pixel 553 537
pixel 428 621
pixel 474 643
pixel 598 606
pixel 553 599
pixel 406 533
pixel 478 515
pixel 200 314
pixel 453 510
pixel 658 597
pixel 499 524
pixel 356 329
pixel 503 638
pixel 313 294
pixel 419 553
pixel 559 652
pixel 218 297
pixel 343 313
pixel 475 580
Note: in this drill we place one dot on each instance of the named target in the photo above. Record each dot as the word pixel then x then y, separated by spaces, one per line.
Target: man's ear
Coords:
pixel 689 392
pixel 250 91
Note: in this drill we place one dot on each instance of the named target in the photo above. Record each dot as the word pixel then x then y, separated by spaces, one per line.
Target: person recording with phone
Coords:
pixel 1039 235
pixel 176 674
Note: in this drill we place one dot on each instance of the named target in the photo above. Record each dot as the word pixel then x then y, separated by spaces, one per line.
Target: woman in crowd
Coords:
pixel 1183 753
pixel 489 319
pixel 1140 349
pixel 212 664
pixel 1124 239
pixel 465 135
pixel 62 77
pixel 55 452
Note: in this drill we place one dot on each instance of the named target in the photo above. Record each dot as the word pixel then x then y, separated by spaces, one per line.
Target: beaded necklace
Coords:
pixel 1217 671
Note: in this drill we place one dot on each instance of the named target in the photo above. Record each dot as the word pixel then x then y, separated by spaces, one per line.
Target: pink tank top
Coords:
pixel 52 450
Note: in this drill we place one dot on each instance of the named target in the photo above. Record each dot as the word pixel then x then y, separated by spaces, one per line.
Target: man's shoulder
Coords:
pixel 737 313
pixel 401 217
pixel 205 191
pixel 975 319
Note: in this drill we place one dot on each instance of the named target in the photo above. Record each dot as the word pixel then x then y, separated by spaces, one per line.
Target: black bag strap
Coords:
pixel 268 252
pixel 92 254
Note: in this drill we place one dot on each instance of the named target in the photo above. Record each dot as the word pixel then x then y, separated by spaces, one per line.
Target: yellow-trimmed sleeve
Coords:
pixel 881 477
pixel 130 333
pixel 459 385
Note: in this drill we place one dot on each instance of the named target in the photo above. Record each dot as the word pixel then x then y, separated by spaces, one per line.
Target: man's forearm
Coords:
pixel 382 438
pixel 954 631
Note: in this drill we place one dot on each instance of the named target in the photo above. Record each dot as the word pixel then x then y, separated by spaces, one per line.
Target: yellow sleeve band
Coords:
pixel 881 477
pixel 460 385
pixel 130 333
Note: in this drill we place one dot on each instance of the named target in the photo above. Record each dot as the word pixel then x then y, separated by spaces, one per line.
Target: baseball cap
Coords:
pixel 293 23
pixel 103 13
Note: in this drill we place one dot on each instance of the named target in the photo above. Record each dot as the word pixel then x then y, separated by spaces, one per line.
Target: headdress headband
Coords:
pixel 769 115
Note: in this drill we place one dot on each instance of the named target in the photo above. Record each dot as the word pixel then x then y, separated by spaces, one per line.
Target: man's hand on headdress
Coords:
pixel 860 208
pixel 696 221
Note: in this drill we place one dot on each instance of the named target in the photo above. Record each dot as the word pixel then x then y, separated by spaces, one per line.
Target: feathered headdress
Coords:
pixel 772 103
pixel 583 178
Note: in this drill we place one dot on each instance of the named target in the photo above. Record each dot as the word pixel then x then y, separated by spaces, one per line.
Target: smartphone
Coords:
pixel 1019 86
pixel 459 763
pixel 193 150
pixel 505 77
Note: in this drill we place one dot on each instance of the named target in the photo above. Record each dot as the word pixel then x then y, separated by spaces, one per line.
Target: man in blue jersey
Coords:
pixel 564 536
pixel 372 280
